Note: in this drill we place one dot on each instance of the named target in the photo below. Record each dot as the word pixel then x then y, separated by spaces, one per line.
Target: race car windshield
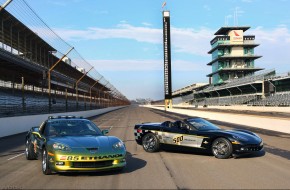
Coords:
pixel 72 128
pixel 202 125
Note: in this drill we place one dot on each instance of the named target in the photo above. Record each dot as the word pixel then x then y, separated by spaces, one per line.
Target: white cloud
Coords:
pixel 146 24
pixel 275 43
pixel 184 40
pixel 196 42
pixel 274 47
pixel 145 65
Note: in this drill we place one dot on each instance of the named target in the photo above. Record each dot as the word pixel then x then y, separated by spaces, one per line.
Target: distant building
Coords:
pixel 232 54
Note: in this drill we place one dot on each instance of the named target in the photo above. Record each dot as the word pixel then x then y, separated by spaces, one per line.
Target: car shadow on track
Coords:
pixel 133 164
pixel 209 154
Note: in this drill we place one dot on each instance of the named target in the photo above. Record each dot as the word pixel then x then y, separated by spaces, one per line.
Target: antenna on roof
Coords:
pixel 236 12
pixel 227 20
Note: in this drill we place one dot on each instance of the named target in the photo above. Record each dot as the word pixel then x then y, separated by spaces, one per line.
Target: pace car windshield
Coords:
pixel 71 128
pixel 202 125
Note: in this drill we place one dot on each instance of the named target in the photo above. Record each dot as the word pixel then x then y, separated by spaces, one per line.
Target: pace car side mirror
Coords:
pixel 105 131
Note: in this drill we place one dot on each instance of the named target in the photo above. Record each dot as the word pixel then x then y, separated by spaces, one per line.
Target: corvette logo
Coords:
pixel 93 150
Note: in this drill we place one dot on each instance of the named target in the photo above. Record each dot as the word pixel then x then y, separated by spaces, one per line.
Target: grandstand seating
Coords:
pixel 225 101
pixel 277 99
pixel 14 102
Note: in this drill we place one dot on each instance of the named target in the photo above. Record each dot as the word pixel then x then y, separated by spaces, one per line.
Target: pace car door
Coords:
pixel 177 136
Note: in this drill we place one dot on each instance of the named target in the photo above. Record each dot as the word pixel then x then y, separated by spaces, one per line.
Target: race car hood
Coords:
pixel 88 141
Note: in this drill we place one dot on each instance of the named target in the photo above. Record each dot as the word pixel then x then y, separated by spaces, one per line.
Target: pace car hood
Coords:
pixel 252 139
pixel 88 141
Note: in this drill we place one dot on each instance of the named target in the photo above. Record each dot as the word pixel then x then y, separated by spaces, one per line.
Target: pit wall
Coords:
pixel 14 125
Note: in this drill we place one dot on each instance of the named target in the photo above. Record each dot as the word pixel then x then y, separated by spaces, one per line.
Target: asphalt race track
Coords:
pixel 162 170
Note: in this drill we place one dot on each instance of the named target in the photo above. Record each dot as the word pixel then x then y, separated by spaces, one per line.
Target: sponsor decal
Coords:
pixel 81 158
pixel 237 36
pixel 178 139
pixel 63 158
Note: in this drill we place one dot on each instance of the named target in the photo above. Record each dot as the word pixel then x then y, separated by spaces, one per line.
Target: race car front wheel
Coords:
pixel 45 165
pixel 222 148
pixel 150 143
pixel 29 151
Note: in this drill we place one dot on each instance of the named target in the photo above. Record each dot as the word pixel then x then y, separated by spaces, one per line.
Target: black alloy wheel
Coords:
pixel 222 148
pixel 29 151
pixel 150 143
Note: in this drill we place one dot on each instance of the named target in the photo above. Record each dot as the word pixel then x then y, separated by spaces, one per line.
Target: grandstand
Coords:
pixel 36 77
pixel 235 79
pixel 264 88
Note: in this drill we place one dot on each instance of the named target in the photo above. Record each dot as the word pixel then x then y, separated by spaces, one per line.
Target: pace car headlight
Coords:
pixel 240 138
pixel 118 145
pixel 62 147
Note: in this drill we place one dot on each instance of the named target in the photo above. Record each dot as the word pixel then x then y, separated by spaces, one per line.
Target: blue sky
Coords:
pixel 123 39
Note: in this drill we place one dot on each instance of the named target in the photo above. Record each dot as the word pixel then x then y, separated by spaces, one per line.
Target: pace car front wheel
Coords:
pixel 45 165
pixel 150 143
pixel 222 148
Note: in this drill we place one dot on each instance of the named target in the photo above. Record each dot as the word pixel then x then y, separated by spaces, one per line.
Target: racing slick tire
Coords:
pixel 150 143
pixel 29 151
pixel 222 148
pixel 45 163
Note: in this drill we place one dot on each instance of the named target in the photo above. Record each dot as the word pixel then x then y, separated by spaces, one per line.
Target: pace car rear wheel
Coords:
pixel 222 148
pixel 150 143
pixel 29 151
pixel 45 165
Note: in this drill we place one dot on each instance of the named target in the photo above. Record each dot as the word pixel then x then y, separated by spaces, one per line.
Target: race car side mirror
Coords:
pixel 105 131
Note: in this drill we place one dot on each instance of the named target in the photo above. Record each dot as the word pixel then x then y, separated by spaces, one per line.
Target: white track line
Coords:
pixel 15 156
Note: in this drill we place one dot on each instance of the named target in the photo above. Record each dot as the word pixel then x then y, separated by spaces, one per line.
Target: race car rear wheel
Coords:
pixel 150 143
pixel 45 165
pixel 29 151
pixel 222 148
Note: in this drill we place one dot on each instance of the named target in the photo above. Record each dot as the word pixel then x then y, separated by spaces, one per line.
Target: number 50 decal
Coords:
pixel 178 139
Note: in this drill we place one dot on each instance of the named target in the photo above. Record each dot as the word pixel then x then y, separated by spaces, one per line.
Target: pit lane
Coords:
pixel 161 170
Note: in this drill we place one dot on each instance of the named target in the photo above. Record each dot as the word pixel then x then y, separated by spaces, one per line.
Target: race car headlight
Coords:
pixel 240 138
pixel 118 145
pixel 62 147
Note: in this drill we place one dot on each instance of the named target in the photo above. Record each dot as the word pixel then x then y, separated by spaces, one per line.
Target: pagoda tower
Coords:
pixel 232 54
